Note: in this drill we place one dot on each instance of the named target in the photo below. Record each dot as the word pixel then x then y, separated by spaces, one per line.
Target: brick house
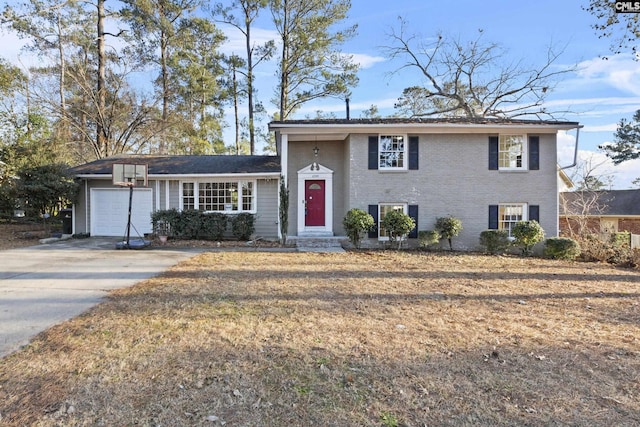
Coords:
pixel 609 211
pixel 489 173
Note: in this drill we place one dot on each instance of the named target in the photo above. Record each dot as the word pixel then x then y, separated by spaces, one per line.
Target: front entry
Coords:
pixel 315 201
pixel 314 197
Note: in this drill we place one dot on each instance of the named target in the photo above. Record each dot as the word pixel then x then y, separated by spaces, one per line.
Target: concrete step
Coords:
pixel 318 242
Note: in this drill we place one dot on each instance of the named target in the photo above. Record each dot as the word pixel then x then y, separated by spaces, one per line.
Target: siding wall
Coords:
pixel 267 203
pixel 267 208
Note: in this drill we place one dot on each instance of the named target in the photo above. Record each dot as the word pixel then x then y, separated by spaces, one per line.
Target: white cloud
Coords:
pixel 366 61
pixel 620 175
pixel 619 71
pixel 611 127
pixel 236 43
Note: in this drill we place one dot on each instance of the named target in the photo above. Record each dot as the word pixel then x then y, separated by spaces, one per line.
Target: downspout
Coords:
pixel 86 206
pixel 575 162
pixel 575 152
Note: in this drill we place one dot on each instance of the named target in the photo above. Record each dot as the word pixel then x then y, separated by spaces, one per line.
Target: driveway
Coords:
pixel 43 285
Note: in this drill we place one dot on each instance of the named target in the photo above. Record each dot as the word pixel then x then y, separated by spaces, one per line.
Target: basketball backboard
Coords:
pixel 129 175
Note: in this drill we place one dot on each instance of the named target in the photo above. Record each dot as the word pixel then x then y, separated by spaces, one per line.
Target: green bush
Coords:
pixel 191 224
pixel 357 222
pixel 397 224
pixel 561 248
pixel 428 238
pixel 495 241
pixel 448 227
pixel 213 226
pixel 527 234
pixel 165 220
pixel 243 226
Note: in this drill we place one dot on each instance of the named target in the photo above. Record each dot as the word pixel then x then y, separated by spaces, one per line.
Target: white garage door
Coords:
pixel 109 211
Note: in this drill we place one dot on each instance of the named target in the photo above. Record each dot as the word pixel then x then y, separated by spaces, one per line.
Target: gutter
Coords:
pixel 575 152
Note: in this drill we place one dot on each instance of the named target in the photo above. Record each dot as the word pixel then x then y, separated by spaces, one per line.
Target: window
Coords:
pixel 512 152
pixel 188 196
pixel 384 209
pixel 509 215
pixel 234 196
pixel 391 154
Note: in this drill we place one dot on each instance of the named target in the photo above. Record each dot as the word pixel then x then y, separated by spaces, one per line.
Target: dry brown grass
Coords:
pixel 19 235
pixel 356 339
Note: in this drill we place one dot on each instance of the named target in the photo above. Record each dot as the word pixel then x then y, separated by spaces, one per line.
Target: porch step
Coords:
pixel 318 242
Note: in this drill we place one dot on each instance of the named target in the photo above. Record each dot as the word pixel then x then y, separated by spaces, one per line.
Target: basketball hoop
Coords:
pixel 129 175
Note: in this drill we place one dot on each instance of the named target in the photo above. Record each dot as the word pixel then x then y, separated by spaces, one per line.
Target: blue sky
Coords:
pixel 599 94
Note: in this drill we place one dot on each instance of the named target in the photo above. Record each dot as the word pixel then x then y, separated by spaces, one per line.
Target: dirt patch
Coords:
pixel 366 338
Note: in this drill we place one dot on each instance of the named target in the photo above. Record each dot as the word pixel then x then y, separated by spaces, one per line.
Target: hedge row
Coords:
pixel 192 224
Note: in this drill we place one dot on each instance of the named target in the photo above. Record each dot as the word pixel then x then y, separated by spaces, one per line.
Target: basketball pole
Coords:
pixel 129 214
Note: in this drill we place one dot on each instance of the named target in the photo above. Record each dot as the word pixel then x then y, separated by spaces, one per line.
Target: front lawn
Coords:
pixel 356 339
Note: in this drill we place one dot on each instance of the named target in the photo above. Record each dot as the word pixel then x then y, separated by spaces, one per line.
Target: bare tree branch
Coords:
pixel 471 79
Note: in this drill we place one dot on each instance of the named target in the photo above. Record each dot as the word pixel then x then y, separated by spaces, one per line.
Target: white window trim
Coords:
pixel 196 195
pixel 525 152
pixel 405 155
pixel 525 214
pixel 405 210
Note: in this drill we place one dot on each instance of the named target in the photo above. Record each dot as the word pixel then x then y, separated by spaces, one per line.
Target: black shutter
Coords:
pixel 493 217
pixel 373 152
pixel 493 153
pixel 534 153
pixel 373 211
pixel 534 213
pixel 413 213
pixel 413 152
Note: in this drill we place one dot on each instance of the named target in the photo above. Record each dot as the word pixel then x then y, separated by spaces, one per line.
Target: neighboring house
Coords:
pixel 489 173
pixel 607 211
pixel 228 184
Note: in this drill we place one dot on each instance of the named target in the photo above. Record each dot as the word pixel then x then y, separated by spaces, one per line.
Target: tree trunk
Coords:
pixel 101 139
pixel 250 87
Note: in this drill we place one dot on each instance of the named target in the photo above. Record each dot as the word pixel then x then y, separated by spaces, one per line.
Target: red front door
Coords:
pixel 314 200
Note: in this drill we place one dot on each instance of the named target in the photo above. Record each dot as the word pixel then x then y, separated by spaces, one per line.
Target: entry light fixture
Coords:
pixel 315 165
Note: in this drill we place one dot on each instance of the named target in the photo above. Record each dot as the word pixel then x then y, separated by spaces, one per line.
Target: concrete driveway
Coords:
pixel 43 285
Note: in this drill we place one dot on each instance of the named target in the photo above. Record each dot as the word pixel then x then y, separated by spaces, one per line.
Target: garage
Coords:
pixel 109 210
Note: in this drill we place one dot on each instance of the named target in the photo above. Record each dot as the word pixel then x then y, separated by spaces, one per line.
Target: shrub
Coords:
pixel 448 227
pixel 527 234
pixel 595 249
pixel 357 222
pixel 213 225
pixel 163 220
pixel 561 248
pixel 397 224
pixel 191 224
pixel 427 238
pixel 283 211
pixel 495 241
pixel 243 226
pixel 621 239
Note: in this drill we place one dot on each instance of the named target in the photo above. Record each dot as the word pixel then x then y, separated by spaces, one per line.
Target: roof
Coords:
pixel 424 121
pixel 185 165
pixel 339 129
pixel 606 203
